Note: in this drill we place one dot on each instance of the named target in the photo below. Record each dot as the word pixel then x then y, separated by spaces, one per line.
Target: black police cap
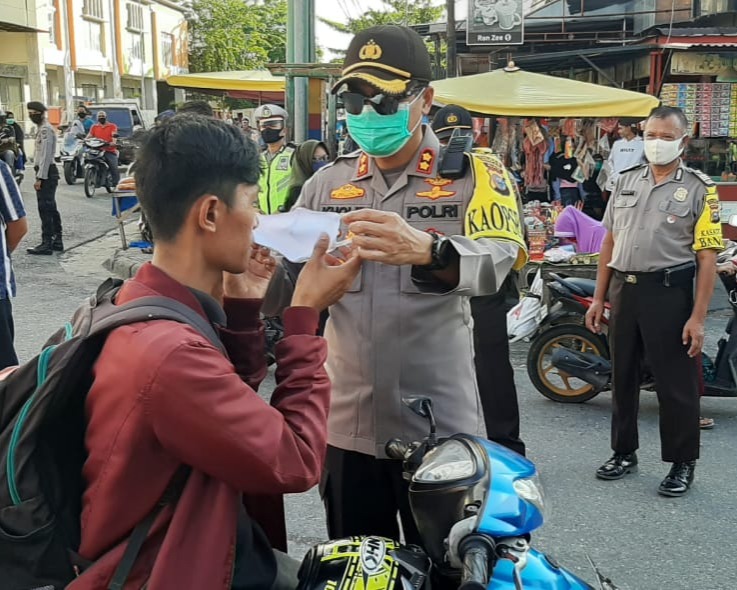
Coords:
pixel 449 118
pixel 388 57
pixel 35 105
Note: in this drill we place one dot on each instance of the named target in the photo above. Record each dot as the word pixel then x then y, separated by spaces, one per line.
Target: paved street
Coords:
pixel 642 541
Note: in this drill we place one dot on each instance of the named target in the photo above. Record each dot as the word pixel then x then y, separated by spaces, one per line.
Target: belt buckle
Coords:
pixel 631 279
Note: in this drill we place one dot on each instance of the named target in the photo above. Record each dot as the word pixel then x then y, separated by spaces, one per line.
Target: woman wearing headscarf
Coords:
pixel 307 159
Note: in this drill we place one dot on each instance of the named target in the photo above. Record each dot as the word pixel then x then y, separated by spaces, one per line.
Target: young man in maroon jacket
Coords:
pixel 163 396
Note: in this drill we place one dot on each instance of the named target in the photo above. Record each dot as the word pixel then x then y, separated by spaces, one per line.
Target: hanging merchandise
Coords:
pixel 532 132
pixel 515 145
pixel 535 147
pixel 568 127
pixel 500 145
pixel 608 125
pixel 569 147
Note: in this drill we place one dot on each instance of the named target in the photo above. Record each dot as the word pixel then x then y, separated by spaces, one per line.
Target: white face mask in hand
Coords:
pixel 661 151
pixel 295 234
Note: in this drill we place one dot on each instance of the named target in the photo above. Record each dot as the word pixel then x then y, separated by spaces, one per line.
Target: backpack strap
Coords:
pixel 140 533
pixel 108 316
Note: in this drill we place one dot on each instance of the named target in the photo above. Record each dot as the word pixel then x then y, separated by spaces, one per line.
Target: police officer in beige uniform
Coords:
pixel 429 244
pixel 659 215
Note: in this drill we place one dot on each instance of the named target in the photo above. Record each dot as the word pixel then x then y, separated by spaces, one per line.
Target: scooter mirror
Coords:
pixel 733 220
pixel 422 406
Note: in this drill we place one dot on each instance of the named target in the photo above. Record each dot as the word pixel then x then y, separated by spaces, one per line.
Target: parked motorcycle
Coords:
pixel 71 156
pixel 97 172
pixel 568 363
pixel 475 504
pixel 7 142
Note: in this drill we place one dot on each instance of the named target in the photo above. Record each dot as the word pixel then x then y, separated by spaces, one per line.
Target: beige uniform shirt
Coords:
pixel 392 336
pixel 660 226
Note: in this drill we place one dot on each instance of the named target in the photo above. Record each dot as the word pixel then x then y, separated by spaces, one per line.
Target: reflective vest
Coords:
pixel 275 179
pixel 494 210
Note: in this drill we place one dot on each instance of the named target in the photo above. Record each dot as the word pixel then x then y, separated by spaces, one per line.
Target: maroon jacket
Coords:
pixel 164 396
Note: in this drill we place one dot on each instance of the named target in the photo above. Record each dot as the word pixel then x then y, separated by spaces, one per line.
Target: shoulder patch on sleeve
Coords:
pixel 702 176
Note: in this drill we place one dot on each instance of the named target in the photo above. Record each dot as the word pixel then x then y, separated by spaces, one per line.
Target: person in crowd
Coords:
pixel 276 159
pixel 627 151
pixel 580 229
pixel 108 132
pixel 403 328
pixel 197 107
pixel 659 215
pixel 47 180
pixel 494 372
pixel 164 396
pixel 307 159
pixel 81 126
pixel 8 146
pixel 15 226
pixel 20 137
pixel 563 168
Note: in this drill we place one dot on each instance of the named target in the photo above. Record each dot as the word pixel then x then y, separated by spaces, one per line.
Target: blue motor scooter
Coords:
pixel 475 504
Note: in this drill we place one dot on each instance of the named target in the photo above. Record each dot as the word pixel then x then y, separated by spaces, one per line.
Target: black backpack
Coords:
pixel 42 427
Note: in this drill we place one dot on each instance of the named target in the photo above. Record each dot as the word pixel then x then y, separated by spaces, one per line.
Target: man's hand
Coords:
pixel 324 279
pixel 386 237
pixel 253 283
pixel 693 336
pixel 727 268
pixel 593 316
pixel 37 185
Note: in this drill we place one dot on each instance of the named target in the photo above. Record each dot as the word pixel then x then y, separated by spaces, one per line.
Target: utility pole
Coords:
pixel 300 50
pixel 70 86
pixel 450 35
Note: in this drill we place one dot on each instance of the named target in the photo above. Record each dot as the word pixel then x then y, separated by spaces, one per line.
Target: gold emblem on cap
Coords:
pixel 266 112
pixel 452 118
pixel 681 194
pixel 370 51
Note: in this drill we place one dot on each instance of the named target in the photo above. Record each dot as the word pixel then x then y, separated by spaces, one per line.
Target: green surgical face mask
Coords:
pixel 382 136
pixel 10 121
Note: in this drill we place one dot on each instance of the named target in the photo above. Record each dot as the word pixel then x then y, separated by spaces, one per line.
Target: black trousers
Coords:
pixel 363 495
pixel 647 322
pixel 47 211
pixel 8 358
pixel 494 372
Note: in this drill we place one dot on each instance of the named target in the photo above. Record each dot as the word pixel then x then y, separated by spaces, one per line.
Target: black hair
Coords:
pixel 9 114
pixel 186 157
pixel 196 107
pixel 663 112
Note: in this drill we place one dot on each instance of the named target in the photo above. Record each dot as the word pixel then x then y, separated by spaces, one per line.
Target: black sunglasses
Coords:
pixel 384 104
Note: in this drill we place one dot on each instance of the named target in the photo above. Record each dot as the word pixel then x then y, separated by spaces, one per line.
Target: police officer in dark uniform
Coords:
pixel 659 215
pixel 494 371
pixel 47 179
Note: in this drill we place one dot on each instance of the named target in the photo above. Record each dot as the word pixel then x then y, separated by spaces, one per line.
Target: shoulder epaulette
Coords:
pixel 631 168
pixel 701 176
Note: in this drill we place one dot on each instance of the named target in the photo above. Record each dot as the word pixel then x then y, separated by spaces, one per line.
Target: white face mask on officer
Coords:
pixel 662 151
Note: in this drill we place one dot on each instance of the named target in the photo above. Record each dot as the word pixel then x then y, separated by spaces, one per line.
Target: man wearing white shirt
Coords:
pixel 626 152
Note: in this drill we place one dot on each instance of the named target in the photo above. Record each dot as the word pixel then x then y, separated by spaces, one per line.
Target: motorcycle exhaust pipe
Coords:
pixel 587 366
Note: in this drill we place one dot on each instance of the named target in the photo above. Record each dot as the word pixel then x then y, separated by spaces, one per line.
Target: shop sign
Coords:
pixel 700 63
pixel 495 22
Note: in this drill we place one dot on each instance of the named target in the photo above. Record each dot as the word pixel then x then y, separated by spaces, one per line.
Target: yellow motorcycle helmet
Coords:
pixel 364 563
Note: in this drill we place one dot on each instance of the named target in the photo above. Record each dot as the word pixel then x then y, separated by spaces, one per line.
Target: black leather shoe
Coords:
pixel 44 248
pixel 57 245
pixel 678 480
pixel 618 466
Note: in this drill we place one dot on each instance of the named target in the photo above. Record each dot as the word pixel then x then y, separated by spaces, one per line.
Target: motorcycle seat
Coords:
pixel 582 287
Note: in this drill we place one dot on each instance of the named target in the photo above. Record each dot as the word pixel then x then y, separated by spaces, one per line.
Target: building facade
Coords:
pixel 69 51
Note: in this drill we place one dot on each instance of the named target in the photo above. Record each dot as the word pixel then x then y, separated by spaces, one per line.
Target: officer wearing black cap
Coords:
pixel 47 179
pixel 495 378
pixel 428 243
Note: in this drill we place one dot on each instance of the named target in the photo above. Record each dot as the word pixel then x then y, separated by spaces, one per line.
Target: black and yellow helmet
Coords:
pixel 364 563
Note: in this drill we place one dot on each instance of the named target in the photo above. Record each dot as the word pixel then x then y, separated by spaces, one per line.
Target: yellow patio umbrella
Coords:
pixel 513 92
pixel 247 80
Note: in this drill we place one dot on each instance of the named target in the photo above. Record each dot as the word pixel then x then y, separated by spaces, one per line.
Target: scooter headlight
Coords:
pixel 530 489
pixel 451 461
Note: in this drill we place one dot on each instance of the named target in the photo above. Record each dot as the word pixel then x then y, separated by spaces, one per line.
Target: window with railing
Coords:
pixel 93 9
pixel 167 49
pixel 52 26
pixel 135 18
pixel 707 7
pixel 92 35
pixel 136 47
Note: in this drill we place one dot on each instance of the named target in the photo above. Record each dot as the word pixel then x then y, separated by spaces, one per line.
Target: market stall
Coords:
pixel 260 86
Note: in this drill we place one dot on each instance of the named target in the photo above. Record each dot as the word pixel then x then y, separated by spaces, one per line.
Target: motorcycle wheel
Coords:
pixel 90 182
pixel 558 385
pixel 69 174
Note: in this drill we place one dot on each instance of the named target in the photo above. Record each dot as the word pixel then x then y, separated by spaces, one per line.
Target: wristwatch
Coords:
pixel 441 251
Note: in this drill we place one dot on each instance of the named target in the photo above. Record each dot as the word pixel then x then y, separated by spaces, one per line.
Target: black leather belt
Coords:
pixel 670 277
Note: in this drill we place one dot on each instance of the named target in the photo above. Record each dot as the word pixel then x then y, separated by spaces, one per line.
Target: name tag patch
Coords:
pixel 433 212
pixel 340 208
pixel 283 163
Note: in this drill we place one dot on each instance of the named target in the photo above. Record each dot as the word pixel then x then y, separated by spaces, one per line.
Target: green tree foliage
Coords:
pixel 237 34
pixel 390 12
